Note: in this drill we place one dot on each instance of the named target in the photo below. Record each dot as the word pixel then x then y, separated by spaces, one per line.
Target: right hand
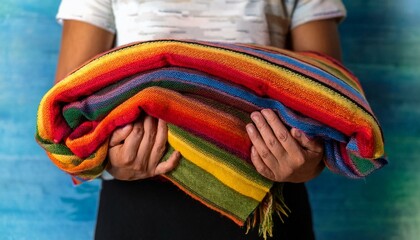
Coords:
pixel 136 149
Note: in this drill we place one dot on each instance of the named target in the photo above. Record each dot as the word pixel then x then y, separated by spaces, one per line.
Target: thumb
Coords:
pixel 311 144
pixel 120 134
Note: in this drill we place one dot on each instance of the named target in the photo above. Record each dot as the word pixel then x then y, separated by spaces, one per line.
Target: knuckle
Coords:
pixel 272 142
pixel 299 160
pixel 127 161
pixel 160 149
pixel 136 168
pixel 282 135
pixel 152 135
pixel 120 162
pixel 254 154
pixel 260 169
pixel 261 125
pixel 138 129
pixel 287 173
pixel 168 166
pixel 267 173
pixel 271 117
pixel 265 153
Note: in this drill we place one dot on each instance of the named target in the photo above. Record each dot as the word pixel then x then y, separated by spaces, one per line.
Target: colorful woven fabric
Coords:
pixel 206 92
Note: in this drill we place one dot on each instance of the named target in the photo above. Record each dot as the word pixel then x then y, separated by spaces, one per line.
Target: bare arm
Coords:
pixel 320 36
pixel 136 149
pixel 80 41
pixel 289 156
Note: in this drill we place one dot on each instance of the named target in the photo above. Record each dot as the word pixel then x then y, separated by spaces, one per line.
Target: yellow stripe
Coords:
pixel 344 109
pixel 64 162
pixel 138 53
pixel 67 160
pixel 212 165
pixel 41 118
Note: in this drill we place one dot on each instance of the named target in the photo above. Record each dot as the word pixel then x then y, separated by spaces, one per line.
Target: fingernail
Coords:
pixel 265 112
pixel 127 126
pixel 255 117
pixel 250 128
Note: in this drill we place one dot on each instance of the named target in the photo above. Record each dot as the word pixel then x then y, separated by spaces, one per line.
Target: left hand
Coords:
pixel 280 155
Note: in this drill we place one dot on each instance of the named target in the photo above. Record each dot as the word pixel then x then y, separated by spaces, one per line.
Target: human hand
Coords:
pixel 136 149
pixel 280 155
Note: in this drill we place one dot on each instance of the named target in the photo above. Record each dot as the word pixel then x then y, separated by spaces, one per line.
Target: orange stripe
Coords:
pixel 254 70
pixel 159 101
pixel 85 165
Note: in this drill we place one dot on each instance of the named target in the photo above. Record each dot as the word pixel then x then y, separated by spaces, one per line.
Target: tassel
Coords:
pixel 272 203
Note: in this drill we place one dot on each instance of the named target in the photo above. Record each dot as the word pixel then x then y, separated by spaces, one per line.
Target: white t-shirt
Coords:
pixel 265 22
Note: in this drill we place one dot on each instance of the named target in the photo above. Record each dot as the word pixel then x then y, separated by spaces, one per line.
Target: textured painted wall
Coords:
pixel 36 200
pixel 381 43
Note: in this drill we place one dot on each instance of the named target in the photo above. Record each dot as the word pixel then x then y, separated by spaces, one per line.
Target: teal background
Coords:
pixel 381 45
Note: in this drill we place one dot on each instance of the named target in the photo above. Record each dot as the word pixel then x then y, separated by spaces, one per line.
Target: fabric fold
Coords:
pixel 206 92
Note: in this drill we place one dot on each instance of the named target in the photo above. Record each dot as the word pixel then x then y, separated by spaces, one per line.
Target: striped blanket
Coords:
pixel 206 92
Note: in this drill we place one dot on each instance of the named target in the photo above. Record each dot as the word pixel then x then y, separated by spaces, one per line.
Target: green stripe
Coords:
pixel 229 159
pixel 210 190
pixel 364 166
pixel 53 147
pixel 94 172
pixel 61 149
pixel 75 116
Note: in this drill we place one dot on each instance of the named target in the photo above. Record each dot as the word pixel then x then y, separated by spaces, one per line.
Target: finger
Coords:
pixel 260 165
pixel 170 164
pixel 314 150
pixel 267 134
pixel 159 146
pixel 128 152
pixel 282 133
pixel 119 135
pixel 146 144
pixel 260 147
pixel 313 145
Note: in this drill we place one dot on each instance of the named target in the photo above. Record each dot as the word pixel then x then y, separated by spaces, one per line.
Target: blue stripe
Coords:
pixel 194 80
pixel 197 81
pixel 304 66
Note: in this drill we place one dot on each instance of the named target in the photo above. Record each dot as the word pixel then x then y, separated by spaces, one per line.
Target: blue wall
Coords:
pixel 37 201
pixel 381 43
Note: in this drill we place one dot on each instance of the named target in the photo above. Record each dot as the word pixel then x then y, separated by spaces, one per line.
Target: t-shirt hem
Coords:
pixel 339 15
pixel 60 20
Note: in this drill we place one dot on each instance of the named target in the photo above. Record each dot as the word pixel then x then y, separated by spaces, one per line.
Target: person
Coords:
pixel 134 203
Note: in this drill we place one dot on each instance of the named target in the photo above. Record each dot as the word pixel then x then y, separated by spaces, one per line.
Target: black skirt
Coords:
pixel 156 209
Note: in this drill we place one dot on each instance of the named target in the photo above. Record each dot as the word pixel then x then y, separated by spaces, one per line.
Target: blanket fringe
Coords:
pixel 272 203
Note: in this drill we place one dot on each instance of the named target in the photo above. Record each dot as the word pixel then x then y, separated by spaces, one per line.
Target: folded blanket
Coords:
pixel 206 92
